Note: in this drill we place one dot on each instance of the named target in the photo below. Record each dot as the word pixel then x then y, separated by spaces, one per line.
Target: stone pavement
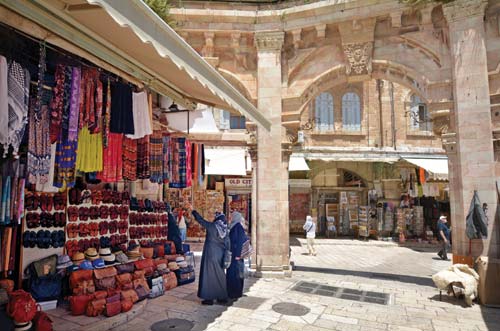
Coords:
pixel 402 273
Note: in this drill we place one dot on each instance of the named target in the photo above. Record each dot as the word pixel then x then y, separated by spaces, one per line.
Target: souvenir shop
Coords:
pixel 90 176
pixel 403 204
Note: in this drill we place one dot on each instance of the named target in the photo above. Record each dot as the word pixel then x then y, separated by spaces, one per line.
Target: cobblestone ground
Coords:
pixel 402 273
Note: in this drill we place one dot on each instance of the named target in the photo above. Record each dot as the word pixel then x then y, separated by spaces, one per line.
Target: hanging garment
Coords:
pixel 122 118
pixel 18 96
pixel 20 200
pixel 57 104
pixel 112 169
pixel 476 224
pixel 142 120
pixel 155 157
pixel 68 72
pixel 106 116
pixel 179 163
pixel 48 186
pixel 74 108
pixel 201 164
pixel 129 159
pixel 90 100
pixel 166 158
pixel 143 158
pixel 89 155
pixel 5 208
pixel 189 171
pixel 65 160
pixel 38 145
pixel 4 102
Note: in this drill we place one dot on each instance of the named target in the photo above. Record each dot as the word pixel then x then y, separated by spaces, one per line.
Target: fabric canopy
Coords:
pixel 131 37
pixel 297 163
pixel 225 161
pixel 437 167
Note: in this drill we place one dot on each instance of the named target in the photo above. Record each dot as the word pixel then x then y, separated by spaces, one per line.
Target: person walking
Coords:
pixel 235 272
pixel 444 236
pixel 173 232
pixel 181 221
pixel 212 282
pixel 310 229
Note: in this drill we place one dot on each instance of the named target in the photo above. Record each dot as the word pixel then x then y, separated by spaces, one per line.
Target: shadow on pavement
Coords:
pixel 366 274
pixel 294 242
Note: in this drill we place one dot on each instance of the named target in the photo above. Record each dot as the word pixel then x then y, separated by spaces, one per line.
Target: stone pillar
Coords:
pixel 253 239
pixel 471 161
pixel 272 178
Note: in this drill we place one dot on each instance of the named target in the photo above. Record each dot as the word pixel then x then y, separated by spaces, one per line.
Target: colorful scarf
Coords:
pixel 155 157
pixel 129 159
pixel 38 145
pixel 113 159
pixel 143 158
pixel 106 117
pixel 57 104
pixel 166 158
pixel 74 107
pixel 221 225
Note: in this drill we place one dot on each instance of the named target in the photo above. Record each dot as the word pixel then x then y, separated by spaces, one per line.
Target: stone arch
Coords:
pixel 382 69
pixel 236 82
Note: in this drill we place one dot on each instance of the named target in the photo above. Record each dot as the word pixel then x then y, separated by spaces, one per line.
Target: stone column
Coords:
pixel 471 161
pixel 272 182
pixel 253 239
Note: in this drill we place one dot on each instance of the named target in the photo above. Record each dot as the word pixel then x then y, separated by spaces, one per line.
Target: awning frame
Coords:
pixel 57 22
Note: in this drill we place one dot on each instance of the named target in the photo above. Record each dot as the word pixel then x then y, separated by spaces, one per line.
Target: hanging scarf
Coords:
pixel 5 211
pixel 38 144
pixel 221 225
pixel 113 159
pixel 143 158
pixel 155 157
pixel 106 117
pixel 166 158
pixel 57 104
pixel 129 159
pixel 4 102
pixel 68 72
pixel 74 107
pixel 18 96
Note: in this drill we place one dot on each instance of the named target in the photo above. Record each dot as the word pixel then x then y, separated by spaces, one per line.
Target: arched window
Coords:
pixel 419 115
pixel 323 112
pixel 351 112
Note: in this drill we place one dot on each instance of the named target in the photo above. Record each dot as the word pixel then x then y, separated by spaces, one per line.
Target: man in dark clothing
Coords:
pixel 174 233
pixel 444 236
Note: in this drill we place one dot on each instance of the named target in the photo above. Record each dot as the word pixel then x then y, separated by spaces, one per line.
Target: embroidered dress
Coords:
pixel 129 159
pixel 112 159
pixel 89 156
pixel 64 166
pixel 143 158
pixel 142 119
pixel 18 96
pixel 155 157
pixel 189 172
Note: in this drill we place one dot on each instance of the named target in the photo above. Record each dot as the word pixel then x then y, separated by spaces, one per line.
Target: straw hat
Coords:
pixel 173 266
pixel 91 254
pixel 78 258
pixel 134 253
pixel 108 257
pixel 22 326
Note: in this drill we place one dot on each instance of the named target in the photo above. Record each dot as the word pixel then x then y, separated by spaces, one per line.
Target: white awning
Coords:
pixel 438 168
pixel 297 163
pixel 225 161
pixel 129 36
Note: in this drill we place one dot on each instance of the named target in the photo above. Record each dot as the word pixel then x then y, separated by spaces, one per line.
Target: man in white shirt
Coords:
pixel 310 229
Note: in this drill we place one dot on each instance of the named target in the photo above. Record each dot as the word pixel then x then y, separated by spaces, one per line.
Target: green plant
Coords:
pixel 161 8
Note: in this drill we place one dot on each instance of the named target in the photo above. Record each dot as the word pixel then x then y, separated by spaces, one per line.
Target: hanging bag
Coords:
pixel 246 249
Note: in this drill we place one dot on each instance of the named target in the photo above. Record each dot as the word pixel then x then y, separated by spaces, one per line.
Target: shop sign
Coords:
pixel 238 183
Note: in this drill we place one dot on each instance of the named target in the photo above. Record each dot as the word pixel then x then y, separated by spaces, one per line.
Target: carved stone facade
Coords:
pixel 386 53
pixel 359 58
